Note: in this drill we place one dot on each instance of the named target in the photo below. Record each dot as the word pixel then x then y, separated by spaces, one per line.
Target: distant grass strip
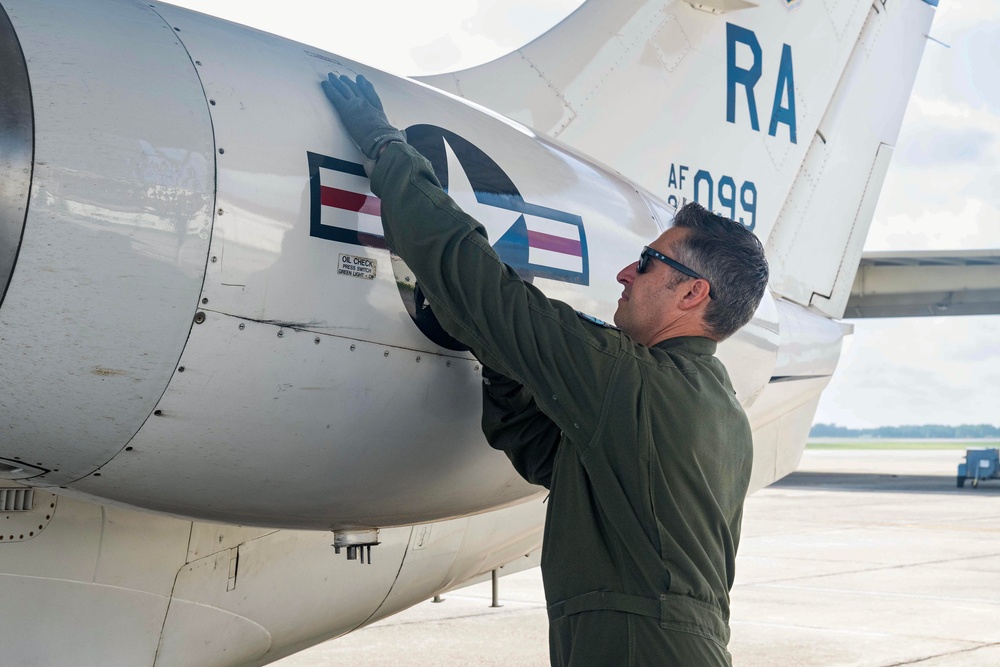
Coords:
pixel 876 443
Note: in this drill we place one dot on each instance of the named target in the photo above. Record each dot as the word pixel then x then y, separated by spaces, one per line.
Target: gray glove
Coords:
pixel 362 114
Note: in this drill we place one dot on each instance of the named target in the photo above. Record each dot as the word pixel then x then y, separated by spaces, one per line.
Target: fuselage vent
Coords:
pixel 16 500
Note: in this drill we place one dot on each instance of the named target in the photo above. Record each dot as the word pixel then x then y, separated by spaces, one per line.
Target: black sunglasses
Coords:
pixel 648 252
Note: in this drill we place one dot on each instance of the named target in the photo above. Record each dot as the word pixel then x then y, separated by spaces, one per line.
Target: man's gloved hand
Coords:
pixel 361 112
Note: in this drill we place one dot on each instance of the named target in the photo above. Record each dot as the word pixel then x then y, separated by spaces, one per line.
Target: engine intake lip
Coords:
pixel 16 148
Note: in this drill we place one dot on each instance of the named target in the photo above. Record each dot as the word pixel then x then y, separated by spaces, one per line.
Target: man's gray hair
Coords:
pixel 731 258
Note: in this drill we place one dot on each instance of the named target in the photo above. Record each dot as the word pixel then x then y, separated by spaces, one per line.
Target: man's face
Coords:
pixel 646 306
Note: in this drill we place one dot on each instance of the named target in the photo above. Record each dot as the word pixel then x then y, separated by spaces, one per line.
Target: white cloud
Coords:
pixel 935 370
pixel 953 224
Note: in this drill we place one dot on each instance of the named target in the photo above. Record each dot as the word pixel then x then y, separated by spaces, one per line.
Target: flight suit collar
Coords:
pixel 692 344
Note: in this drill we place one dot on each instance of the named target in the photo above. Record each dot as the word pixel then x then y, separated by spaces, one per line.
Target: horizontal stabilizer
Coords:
pixel 925 284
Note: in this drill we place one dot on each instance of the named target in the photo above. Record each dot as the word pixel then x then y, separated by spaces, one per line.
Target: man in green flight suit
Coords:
pixel 636 430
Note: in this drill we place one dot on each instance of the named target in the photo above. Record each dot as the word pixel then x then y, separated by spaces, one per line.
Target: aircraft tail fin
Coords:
pixel 821 229
pixel 780 115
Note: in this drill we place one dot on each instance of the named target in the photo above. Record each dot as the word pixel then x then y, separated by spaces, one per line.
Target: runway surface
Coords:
pixel 861 559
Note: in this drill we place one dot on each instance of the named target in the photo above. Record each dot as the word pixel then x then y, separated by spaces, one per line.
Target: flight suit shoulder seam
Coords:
pixel 592 341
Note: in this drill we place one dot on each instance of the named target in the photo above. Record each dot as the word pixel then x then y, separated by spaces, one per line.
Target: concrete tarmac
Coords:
pixel 860 559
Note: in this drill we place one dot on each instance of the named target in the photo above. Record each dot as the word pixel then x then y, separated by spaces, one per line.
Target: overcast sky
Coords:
pixel 941 192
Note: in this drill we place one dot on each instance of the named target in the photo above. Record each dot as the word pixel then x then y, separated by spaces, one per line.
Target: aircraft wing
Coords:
pixel 926 283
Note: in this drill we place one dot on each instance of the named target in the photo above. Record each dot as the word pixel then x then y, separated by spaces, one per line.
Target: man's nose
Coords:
pixel 628 274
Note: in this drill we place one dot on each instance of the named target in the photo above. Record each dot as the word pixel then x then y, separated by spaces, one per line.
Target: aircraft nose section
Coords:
pixel 16 147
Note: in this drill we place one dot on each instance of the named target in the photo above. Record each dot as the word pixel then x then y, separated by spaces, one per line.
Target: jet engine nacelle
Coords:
pixel 203 318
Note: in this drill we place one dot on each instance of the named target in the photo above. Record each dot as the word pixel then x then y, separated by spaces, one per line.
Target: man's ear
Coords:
pixel 693 293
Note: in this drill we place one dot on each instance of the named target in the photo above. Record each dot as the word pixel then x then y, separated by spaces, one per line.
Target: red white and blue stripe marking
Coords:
pixel 534 240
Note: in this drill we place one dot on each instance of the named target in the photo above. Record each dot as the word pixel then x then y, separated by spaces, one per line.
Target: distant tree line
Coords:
pixel 925 431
